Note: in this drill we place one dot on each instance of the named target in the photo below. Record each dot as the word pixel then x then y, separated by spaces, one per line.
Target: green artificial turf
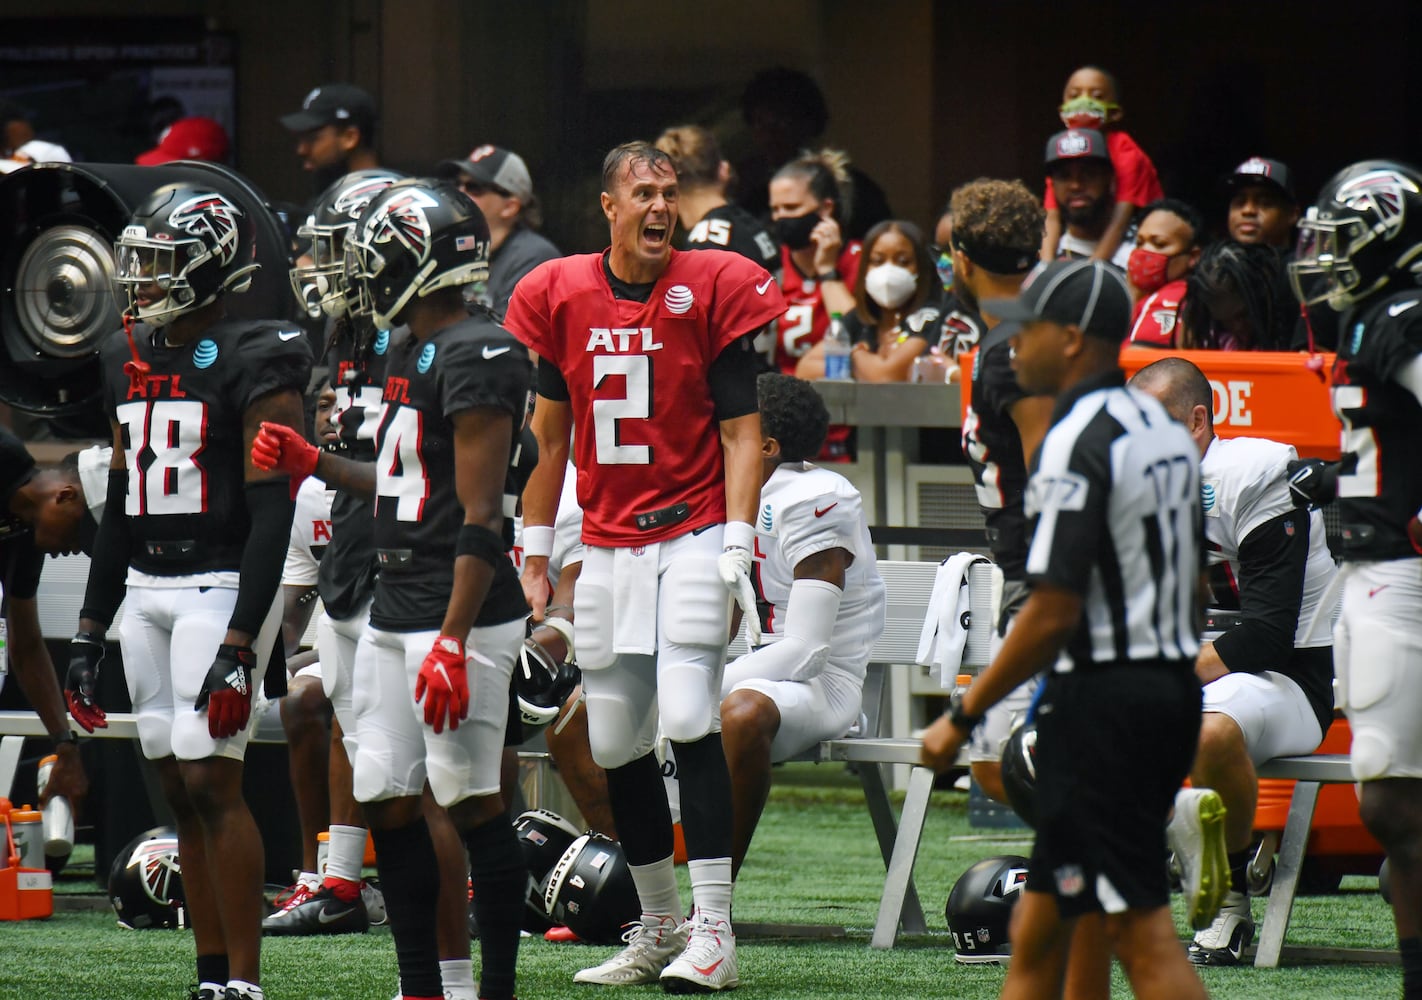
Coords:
pixel 814 863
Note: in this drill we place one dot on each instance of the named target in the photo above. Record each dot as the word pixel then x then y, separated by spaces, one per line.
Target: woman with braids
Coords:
pixel 710 220
pixel 1233 302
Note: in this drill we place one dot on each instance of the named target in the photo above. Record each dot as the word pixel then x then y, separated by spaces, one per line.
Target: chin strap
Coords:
pixel 136 368
pixel 1314 363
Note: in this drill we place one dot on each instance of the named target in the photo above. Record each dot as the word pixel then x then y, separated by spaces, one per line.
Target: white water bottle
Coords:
pixel 837 347
pixel 58 821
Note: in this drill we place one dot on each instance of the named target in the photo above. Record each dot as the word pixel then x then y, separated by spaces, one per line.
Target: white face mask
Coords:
pixel 890 285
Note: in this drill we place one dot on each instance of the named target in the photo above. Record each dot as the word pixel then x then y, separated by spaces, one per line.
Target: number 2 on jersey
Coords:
pixel 636 404
pixel 174 433
pixel 1360 442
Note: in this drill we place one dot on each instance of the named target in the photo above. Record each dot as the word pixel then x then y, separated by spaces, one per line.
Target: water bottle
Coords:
pixel 58 820
pixel 837 367
pixel 25 824
pixel 323 851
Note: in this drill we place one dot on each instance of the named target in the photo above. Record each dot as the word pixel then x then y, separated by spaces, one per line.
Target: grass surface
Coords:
pixel 814 862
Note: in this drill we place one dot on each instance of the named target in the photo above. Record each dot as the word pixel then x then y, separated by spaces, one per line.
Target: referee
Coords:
pixel 1114 565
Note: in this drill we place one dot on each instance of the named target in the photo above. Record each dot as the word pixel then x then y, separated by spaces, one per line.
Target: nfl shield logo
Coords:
pixel 1289 528
pixel 639 550
pixel 1070 880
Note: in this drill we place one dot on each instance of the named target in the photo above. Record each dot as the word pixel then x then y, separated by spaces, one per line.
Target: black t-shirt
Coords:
pixel 1380 480
pixel 347 575
pixel 993 449
pixel 474 363
pixel 925 322
pixel 730 227
pixel 183 436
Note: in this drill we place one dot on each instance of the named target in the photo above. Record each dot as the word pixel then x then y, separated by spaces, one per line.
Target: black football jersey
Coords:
pixel 182 436
pixel 347 574
pixel 1380 480
pixel 473 363
pixel 731 227
pixel 993 449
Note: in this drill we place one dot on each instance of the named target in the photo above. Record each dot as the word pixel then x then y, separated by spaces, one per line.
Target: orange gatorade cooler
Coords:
pixel 26 888
pixel 1338 843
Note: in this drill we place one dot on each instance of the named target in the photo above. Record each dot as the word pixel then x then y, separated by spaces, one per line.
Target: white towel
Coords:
pixel 634 599
pixel 945 632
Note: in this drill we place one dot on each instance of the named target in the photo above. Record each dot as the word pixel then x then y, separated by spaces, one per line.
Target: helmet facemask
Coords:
pixel 321 286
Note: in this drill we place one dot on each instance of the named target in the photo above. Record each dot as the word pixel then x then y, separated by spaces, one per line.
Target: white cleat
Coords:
pixel 650 946
pixel 708 965
pixel 1196 835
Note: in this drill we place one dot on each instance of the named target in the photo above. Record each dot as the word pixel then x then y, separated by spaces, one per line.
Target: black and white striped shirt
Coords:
pixel 1114 506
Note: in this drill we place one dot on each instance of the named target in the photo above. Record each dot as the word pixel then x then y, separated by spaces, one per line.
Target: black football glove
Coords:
pixel 86 652
pixel 1313 482
pixel 227 691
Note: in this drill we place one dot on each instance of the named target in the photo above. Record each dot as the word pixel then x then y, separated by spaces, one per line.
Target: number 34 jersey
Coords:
pixel 183 436
pixel 645 430
pixel 471 364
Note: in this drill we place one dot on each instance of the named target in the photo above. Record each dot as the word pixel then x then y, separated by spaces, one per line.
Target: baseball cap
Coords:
pixel 188 139
pixel 494 166
pixel 1262 170
pixel 1090 294
pixel 1076 144
pixel 333 104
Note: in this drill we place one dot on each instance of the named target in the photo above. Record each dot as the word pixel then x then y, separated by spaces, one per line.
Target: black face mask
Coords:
pixel 795 230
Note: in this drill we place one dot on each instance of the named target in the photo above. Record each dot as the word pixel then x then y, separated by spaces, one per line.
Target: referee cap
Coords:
pixel 1089 294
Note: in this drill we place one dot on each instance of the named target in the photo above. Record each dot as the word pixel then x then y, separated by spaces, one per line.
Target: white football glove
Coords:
pixel 735 567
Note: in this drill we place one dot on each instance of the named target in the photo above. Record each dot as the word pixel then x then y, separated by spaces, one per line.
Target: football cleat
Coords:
pixel 206 991
pixel 322 912
pixel 650 947
pixel 708 965
pixel 1224 941
pixel 1196 835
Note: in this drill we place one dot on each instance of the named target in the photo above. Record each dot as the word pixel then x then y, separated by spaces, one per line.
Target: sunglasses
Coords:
pixel 477 188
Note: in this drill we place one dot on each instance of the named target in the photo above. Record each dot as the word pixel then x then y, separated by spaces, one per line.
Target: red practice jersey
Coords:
pixel 805 319
pixel 1153 323
pixel 645 433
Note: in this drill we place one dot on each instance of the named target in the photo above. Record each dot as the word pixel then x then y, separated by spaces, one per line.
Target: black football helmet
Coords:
pixel 146 882
pixel 542 683
pixel 416 237
pixel 1019 771
pixel 183 246
pixel 1363 234
pixel 320 286
pixel 980 908
pixel 590 890
pixel 543 836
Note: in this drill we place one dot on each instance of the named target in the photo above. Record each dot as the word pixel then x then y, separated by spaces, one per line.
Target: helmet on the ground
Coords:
pixel 1363 234
pixel 980 908
pixel 146 881
pixel 590 890
pixel 414 238
pixel 183 246
pixel 1019 771
pixel 543 836
pixel 320 285
pixel 542 684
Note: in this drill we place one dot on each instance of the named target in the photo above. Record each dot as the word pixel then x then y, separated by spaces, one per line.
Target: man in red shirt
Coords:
pixel 646 361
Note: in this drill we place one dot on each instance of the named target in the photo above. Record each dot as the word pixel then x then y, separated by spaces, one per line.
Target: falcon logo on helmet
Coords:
pixel 403 220
pixel 210 215
pixel 353 199
pixel 1381 192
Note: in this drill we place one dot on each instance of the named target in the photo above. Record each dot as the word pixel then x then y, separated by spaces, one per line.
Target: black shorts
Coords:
pixel 1114 744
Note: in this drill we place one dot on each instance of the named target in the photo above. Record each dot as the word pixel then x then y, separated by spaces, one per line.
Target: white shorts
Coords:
pixel 169 638
pixel 1377 664
pixel 1270 709
pixel 824 707
pixel 336 641
pixel 685 612
pixel 396 751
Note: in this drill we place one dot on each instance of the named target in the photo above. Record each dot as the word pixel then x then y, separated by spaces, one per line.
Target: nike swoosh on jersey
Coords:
pixel 288 335
pixel 491 353
pixel 1398 308
pixel 760 289
pixel 822 513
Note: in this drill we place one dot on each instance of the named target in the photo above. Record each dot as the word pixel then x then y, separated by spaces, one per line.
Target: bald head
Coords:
pixel 1185 393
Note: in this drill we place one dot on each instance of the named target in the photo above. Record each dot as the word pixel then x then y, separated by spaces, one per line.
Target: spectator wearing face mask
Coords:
pixel 1092 100
pixel 896 317
pixel 1233 301
pixel 1167 250
pixel 1079 168
pixel 962 326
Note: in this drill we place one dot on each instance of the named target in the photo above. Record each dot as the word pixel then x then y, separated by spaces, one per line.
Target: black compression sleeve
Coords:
pixel 108 562
pixel 1272 560
pixel 270 507
pixel 733 379
pixel 550 382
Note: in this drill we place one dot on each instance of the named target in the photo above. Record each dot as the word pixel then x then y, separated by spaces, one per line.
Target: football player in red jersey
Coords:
pixel 646 358
pixel 197 536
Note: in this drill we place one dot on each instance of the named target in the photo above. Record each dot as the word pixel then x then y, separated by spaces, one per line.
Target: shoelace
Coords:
pixel 293 897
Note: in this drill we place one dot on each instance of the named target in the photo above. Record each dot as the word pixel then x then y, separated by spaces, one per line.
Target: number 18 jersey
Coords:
pixel 645 432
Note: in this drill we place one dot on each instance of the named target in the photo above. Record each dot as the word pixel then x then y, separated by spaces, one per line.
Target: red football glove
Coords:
pixel 444 679
pixel 226 691
pixel 278 447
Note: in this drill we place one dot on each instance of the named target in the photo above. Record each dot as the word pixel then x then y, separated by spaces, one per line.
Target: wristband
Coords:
pixel 739 535
pixel 538 540
pixel 958 717
pixel 831 275
pixel 481 543
pixel 68 736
